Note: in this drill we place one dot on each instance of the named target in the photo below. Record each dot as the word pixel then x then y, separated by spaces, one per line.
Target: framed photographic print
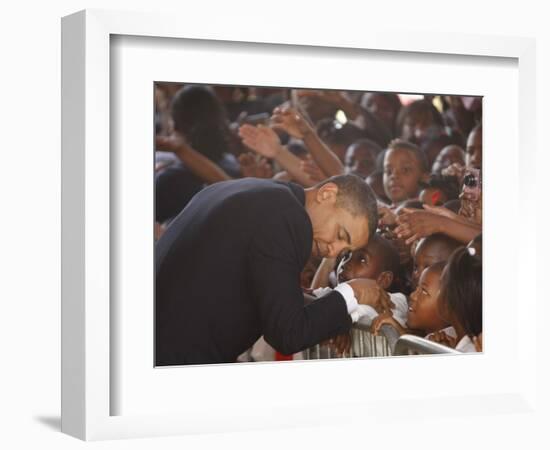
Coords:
pixel 165 126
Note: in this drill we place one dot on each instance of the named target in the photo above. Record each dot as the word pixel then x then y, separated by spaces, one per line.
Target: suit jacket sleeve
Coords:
pixel 276 258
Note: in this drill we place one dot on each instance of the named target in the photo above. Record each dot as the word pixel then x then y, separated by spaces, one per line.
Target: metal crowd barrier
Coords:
pixel 387 343
pixel 363 344
pixel 409 343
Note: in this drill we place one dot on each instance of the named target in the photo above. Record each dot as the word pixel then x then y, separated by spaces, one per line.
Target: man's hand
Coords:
pixel 341 343
pixel 367 292
pixel 291 122
pixel 263 140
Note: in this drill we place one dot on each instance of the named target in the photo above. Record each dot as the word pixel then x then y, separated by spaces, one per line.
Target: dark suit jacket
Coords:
pixel 228 271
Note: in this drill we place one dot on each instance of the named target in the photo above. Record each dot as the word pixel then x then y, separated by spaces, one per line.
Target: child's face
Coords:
pixel 402 175
pixel 423 303
pixel 426 254
pixel 363 263
pixel 379 107
pixel 473 149
pixel 360 160
pixel 417 127
pixel 449 155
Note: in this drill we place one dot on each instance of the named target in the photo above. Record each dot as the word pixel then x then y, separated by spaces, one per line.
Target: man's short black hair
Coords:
pixel 355 196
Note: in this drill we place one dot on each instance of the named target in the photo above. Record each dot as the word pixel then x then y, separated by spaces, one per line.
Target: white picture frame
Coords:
pixel 87 385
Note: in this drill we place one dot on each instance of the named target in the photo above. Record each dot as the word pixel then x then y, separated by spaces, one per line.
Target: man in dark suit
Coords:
pixel 228 268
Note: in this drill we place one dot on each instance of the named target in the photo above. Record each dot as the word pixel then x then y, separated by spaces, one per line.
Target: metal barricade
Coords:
pixel 409 343
pixel 364 344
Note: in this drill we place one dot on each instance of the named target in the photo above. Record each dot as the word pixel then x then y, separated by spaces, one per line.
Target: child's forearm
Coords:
pixel 459 230
pixel 325 158
pixel 291 164
pixel 201 166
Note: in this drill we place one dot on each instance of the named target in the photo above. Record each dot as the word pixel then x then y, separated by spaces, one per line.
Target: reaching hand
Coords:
pixel 290 121
pixel 414 224
pixel 454 170
pixel 334 97
pixel 263 140
pixel 250 167
pixel 385 318
pixel 443 338
pixel 173 143
pixel 341 343
pixel 387 218
pixel 441 210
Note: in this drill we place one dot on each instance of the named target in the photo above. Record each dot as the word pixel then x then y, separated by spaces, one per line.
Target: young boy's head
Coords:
pixel 448 155
pixel 461 292
pixel 430 250
pixel 339 136
pixel 361 157
pixel 440 189
pixel 474 147
pixel 405 168
pixel 383 105
pixel 423 302
pixel 419 121
pixel 378 260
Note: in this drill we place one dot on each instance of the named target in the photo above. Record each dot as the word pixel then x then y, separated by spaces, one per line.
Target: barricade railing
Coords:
pixel 386 343
pixel 409 343
pixel 363 344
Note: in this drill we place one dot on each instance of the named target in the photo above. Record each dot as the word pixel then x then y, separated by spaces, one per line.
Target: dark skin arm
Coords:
pixel 199 164
pixel 289 120
pixel 416 224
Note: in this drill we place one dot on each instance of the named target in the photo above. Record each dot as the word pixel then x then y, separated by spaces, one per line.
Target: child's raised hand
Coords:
pixel 441 210
pixel 414 224
pixel 334 97
pixel 251 167
pixel 173 143
pixel 443 338
pixel 289 120
pixel 387 218
pixel 263 140
pixel 385 318
pixel 454 170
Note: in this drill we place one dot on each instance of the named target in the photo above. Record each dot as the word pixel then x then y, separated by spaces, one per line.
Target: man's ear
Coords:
pixel 327 192
pixel 385 279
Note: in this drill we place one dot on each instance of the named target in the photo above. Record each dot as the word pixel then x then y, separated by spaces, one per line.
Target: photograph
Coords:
pixel 294 223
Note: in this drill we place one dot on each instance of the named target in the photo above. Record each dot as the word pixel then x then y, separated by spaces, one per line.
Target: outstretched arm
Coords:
pixel 289 120
pixel 416 224
pixel 199 164
pixel 264 141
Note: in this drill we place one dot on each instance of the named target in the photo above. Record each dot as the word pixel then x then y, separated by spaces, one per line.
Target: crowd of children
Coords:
pixel 421 155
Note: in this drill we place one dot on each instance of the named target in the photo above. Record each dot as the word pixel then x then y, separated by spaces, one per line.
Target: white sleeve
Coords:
pixel 401 310
pixel 349 296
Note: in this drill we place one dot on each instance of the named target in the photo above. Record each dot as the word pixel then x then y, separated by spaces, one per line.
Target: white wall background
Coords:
pixel 30 194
